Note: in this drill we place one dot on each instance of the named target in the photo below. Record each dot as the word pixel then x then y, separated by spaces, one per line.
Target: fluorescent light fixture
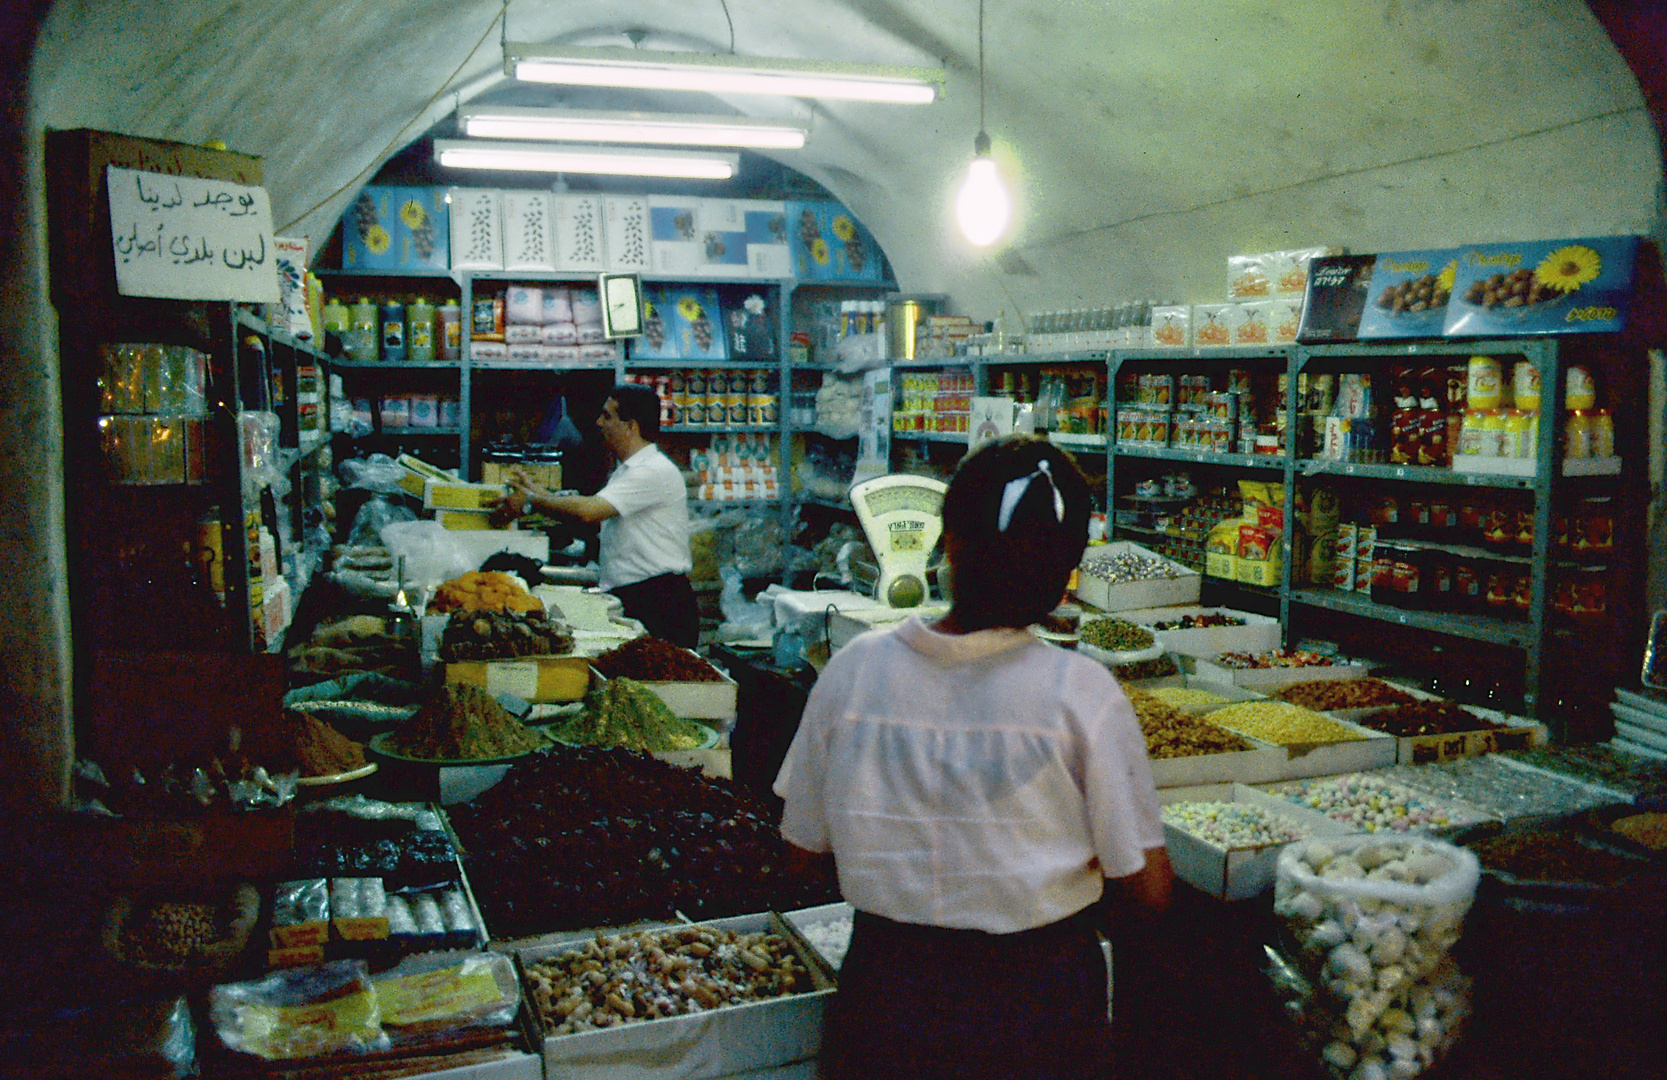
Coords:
pixel 644 70
pixel 612 160
pixel 668 129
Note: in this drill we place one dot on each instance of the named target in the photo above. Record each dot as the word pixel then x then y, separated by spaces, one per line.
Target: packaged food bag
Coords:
pixel 1371 922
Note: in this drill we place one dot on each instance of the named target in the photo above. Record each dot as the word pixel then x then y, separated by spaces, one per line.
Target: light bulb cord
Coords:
pixel 982 137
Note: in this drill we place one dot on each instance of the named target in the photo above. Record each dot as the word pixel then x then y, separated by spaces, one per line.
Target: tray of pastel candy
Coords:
pixel 1225 838
pixel 1368 803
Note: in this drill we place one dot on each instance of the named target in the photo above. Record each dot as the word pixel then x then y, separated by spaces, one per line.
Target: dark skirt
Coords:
pixel 923 1003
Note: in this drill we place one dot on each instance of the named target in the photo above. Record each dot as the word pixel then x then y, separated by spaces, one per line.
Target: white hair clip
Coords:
pixel 1015 490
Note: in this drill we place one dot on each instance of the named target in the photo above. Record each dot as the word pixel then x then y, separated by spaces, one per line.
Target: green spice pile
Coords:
pixel 624 712
pixel 464 723
pixel 1116 635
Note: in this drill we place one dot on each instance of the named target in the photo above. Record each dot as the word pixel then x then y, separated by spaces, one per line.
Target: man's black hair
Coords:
pixel 640 403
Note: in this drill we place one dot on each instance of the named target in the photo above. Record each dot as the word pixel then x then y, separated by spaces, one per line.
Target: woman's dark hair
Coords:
pixel 640 403
pixel 1014 576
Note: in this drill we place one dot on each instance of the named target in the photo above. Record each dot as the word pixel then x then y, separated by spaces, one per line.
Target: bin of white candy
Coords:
pixel 1372 921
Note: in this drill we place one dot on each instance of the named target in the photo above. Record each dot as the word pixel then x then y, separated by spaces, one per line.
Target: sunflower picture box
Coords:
pixel 690 326
pixel 396 228
pixel 827 243
pixel 1577 286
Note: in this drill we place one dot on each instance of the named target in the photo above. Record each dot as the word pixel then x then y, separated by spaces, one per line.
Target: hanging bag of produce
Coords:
pixel 1370 922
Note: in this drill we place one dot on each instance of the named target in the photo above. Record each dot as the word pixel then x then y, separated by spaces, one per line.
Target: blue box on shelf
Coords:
pixel 828 243
pixel 396 228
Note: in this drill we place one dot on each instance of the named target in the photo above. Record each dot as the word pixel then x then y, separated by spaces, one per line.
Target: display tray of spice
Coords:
pixel 583 837
pixel 626 713
pixel 651 659
pixel 460 725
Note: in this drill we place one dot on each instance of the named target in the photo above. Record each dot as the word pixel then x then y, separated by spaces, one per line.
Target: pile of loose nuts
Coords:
pixel 170 931
pixel 650 974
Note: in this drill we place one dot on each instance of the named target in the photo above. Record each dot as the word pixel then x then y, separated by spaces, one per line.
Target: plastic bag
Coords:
pixel 434 997
pixel 743 618
pixel 377 472
pixel 368 523
pixel 327 1008
pixel 758 542
pixel 1372 921
pixel 431 552
pixel 557 428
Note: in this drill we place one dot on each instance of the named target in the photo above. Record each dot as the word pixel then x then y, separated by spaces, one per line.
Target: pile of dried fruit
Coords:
pixel 1322 695
pixel 1426 718
pixel 501 635
pixel 1171 733
pixel 586 837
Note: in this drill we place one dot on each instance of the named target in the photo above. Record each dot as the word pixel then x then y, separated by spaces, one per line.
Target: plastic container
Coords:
pixel 1484 387
pixel 392 323
pixel 362 333
pixel 419 331
pixel 448 338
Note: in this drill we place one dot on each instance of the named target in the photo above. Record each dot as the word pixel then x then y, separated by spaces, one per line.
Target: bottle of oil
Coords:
pixel 419 331
pixel 393 331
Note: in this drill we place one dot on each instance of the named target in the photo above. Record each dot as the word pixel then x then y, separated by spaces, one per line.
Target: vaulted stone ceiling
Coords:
pixel 1146 140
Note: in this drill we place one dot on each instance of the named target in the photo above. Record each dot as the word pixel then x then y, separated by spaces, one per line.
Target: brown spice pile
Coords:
pixel 649 659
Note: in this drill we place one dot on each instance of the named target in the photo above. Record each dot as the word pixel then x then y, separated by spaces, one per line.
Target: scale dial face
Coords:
pixel 903 498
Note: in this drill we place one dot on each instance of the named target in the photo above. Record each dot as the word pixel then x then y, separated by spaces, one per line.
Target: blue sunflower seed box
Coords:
pixel 1579 286
pixel 694 322
pixel 828 243
pixel 396 228
pixel 1409 294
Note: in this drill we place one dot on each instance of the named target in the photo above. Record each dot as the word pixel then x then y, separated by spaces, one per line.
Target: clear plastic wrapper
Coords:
pixel 1493 785
pixel 328 1008
pixel 1369 925
pixel 297 902
pixel 436 998
pixel 376 472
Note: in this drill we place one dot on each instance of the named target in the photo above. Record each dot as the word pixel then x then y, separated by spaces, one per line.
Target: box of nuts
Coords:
pixel 1121 575
pixel 692 1002
pixel 1226 839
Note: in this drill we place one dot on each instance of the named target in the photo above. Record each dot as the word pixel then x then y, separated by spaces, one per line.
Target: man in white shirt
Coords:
pixel 643 510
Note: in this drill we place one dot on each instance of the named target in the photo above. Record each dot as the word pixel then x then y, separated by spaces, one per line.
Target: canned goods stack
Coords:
pixel 720 398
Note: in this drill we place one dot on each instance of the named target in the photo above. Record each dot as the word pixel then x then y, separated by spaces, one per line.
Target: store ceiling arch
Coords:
pixel 1146 140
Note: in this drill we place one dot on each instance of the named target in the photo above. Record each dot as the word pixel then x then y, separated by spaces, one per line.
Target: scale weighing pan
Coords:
pixel 902 518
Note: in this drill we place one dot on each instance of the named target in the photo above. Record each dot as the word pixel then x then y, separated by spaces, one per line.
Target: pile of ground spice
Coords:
pixel 464 723
pixel 649 659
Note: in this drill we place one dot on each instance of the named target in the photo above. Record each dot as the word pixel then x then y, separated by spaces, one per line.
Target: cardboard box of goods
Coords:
pixel 469 520
pixel 1182 588
pixel 418 472
pixel 1367 750
pixel 704 700
pixel 545 474
pixel 717 1042
pixel 1171 328
pixel 513 1066
pixel 452 494
pixel 1242 872
pixel 1258 634
pixel 396 228
pixel 1515 733
pixel 1268 680
pixel 530 678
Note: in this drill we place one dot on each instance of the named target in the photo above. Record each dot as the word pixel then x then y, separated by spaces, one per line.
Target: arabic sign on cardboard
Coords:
pixel 188 238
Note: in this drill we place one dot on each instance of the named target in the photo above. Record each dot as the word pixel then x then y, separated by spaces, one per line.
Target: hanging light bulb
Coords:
pixel 983 207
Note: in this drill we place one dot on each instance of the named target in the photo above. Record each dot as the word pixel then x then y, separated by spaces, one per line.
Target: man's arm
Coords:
pixel 523 497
